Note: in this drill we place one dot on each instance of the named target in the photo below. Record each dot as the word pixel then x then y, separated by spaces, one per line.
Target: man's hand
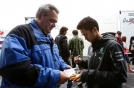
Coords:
pixel 77 60
pixel 63 78
pixel 69 67
pixel 76 78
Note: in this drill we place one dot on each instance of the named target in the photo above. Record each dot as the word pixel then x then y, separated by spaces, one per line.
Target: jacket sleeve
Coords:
pixel 16 67
pixel 63 64
pixel 84 64
pixel 117 74
pixel 70 44
pixel 82 44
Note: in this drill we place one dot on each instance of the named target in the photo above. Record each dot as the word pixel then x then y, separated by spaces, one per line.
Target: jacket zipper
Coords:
pixel 94 60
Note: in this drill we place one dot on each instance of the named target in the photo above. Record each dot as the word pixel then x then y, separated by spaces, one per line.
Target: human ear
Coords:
pixel 94 30
pixel 39 16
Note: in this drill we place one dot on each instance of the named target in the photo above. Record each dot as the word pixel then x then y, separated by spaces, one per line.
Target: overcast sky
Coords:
pixel 12 12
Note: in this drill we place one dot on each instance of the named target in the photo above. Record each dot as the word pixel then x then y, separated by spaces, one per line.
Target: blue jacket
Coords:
pixel 29 59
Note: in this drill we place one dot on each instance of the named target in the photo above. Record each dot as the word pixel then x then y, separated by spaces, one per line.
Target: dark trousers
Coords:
pixel 132 59
pixel 69 84
pixel 73 64
pixel 127 58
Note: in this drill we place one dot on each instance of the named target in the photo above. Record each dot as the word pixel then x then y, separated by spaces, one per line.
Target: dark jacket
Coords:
pixel 119 41
pixel 61 41
pixel 131 46
pixel 107 68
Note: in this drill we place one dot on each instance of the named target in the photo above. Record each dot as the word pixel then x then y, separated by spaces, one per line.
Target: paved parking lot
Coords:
pixel 130 80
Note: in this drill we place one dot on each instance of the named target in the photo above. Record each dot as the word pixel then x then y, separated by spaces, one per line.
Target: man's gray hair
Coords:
pixel 45 9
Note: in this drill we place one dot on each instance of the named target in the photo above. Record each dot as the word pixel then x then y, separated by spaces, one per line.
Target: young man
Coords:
pixel 118 38
pixel 61 41
pixel 76 46
pixel 29 57
pixel 107 68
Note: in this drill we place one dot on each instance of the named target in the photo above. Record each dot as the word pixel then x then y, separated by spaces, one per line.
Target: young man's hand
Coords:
pixel 76 78
pixel 77 60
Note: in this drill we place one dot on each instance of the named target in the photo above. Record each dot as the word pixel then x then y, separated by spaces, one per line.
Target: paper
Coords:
pixel 70 72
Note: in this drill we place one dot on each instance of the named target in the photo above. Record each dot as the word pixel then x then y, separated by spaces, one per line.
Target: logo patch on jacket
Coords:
pixel 101 49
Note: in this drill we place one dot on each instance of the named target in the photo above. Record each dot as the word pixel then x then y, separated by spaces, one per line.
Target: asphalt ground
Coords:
pixel 128 84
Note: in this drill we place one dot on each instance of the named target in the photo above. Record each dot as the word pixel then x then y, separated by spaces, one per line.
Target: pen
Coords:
pixel 78 56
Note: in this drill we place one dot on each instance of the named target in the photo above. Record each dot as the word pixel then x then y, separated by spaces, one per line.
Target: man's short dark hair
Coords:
pixel 75 32
pixel 88 23
pixel 63 29
pixel 119 32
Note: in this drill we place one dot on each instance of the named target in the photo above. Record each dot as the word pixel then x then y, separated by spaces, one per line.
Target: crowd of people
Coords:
pixel 31 58
pixel 122 41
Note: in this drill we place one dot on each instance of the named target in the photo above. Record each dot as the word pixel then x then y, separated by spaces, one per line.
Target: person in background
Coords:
pixel 131 48
pixel 126 55
pixel 29 58
pixel 76 46
pixel 118 38
pixel 61 41
pixel 122 42
pixel 107 68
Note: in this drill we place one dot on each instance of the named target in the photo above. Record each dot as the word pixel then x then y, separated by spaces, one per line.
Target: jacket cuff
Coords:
pixel 84 76
pixel 56 77
pixel 88 75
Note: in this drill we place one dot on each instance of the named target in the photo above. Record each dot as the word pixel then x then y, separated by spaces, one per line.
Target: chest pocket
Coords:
pixel 46 56
pixel 39 52
pixel 41 49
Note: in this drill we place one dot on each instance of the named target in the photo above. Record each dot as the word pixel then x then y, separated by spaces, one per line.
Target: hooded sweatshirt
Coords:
pixel 107 67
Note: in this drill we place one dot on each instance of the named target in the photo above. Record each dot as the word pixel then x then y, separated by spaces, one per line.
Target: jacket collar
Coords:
pixel 38 33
